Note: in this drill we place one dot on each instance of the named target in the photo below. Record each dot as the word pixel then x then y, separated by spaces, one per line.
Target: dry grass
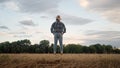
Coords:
pixel 59 61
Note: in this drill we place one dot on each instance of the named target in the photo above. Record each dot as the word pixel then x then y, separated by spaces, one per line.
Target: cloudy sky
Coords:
pixel 87 21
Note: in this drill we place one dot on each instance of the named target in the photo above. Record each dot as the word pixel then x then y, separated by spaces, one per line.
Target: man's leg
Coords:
pixel 55 43
pixel 61 43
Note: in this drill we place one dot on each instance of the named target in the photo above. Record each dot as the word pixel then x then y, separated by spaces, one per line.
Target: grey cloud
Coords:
pixel 104 37
pixel 23 36
pixel 105 34
pixel 109 9
pixel 4 27
pixel 103 5
pixel 69 19
pixel 112 15
pixel 44 17
pixel 38 32
pixel 50 8
pixel 20 34
pixel 1 1
pixel 36 6
pixel 27 23
pixel 74 20
pixel 17 32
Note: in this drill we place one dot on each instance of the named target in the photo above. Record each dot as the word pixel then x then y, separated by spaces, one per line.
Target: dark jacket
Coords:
pixel 58 27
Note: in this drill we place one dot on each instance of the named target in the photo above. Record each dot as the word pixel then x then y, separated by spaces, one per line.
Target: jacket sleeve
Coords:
pixel 64 29
pixel 52 28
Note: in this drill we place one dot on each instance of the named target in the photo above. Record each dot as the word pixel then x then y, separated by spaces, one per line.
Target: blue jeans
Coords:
pixel 58 37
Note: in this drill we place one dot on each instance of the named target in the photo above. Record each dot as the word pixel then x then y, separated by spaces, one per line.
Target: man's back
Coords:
pixel 58 27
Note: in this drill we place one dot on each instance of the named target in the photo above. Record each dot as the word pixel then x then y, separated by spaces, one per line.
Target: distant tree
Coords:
pixel 20 46
pixel 85 49
pixel 92 49
pixel 44 44
pixel 5 47
pixel 32 48
pixel 99 48
pixel 24 46
pixel 116 51
pixel 72 48
pixel 108 48
pixel 50 48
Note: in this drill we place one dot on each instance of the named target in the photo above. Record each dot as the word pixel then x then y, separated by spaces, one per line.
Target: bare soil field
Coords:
pixel 60 61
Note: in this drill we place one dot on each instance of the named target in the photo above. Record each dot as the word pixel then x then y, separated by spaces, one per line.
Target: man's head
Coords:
pixel 58 17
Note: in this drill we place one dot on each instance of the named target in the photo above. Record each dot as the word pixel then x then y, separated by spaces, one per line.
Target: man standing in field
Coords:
pixel 58 29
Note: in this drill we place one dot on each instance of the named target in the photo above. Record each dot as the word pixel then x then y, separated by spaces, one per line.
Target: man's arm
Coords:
pixel 52 28
pixel 64 29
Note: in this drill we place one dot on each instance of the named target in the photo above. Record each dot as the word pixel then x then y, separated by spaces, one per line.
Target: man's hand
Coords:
pixel 53 33
pixel 62 33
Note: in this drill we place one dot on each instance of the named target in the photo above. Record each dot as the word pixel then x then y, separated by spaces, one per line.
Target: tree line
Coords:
pixel 25 46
